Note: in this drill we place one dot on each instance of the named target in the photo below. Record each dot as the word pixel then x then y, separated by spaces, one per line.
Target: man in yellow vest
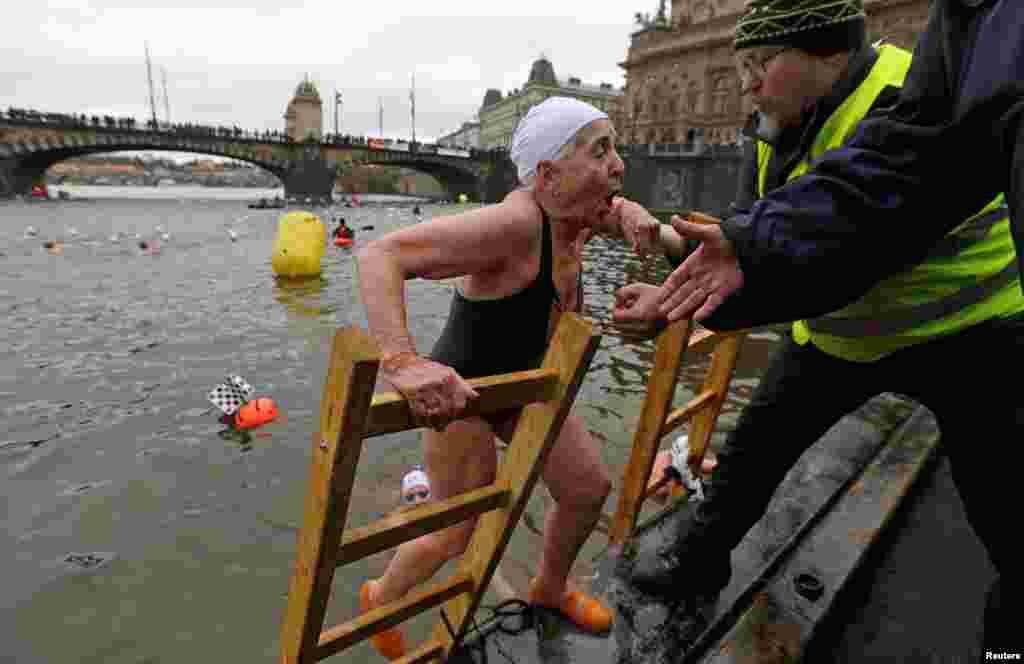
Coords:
pixel 936 331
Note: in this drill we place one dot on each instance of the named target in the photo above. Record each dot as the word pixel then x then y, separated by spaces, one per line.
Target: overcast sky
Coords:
pixel 232 62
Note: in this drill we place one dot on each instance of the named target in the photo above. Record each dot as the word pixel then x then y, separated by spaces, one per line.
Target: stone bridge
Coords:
pixel 28 147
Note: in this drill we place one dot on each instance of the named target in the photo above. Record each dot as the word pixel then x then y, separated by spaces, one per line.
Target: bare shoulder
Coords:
pixel 517 213
pixel 513 222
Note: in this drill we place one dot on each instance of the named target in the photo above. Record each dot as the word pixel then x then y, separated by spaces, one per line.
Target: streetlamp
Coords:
pixel 337 103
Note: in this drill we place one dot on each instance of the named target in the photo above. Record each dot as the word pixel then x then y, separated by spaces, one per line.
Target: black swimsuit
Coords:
pixel 486 337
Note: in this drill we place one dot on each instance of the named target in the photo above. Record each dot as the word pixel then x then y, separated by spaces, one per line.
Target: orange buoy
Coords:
pixel 342 241
pixel 256 413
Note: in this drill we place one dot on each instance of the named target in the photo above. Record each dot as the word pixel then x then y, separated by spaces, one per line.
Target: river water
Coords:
pixel 135 530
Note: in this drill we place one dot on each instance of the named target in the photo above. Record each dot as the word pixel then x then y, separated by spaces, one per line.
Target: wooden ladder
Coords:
pixel 349 413
pixel 656 422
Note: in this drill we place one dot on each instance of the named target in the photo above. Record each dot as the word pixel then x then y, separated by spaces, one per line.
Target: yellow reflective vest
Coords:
pixel 968 277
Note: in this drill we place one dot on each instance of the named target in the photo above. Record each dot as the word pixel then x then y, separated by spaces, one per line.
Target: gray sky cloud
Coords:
pixel 233 62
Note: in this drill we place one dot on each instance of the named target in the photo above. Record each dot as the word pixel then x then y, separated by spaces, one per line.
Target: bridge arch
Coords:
pixel 456 178
pixel 26 152
pixel 28 161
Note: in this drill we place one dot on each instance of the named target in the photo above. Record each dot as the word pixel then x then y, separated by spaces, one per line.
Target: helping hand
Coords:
pixel 706 278
pixel 437 395
pixel 636 308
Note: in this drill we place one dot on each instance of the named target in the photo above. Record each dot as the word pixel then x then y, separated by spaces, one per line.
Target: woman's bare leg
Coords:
pixel 579 483
pixel 459 459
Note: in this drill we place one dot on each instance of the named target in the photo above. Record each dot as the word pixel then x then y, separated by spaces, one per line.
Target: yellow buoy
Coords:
pixel 463 198
pixel 299 245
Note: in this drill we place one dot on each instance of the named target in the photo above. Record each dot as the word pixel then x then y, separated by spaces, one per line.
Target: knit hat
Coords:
pixel 822 27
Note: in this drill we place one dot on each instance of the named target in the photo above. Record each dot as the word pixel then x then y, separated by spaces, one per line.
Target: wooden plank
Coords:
pixel 347 391
pixel 780 621
pixel 390 411
pixel 570 352
pixel 701 218
pixel 723 363
pixel 680 415
pixel 703 340
pixel 359 629
pixel 401 527
pixel 661 383
pixel 428 652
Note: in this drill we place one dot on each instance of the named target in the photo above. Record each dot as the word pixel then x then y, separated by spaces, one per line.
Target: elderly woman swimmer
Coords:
pixel 518 265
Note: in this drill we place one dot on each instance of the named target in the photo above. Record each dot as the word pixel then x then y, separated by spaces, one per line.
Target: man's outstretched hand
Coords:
pixel 706 278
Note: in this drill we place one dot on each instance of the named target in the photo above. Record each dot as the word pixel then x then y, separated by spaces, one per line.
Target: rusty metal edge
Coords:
pixel 772 621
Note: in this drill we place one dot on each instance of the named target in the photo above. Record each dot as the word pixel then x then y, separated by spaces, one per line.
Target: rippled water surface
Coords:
pixel 135 530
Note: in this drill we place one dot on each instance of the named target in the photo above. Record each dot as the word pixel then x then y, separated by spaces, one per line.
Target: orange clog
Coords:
pixel 388 643
pixel 587 612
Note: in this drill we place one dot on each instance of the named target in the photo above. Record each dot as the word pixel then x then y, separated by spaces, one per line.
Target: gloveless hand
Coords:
pixel 636 308
pixel 708 276
pixel 639 227
pixel 437 394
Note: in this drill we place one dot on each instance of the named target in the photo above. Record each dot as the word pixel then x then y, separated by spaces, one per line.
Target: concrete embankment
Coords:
pixel 845 566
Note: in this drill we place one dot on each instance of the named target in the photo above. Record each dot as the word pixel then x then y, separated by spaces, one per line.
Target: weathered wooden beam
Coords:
pixel 389 412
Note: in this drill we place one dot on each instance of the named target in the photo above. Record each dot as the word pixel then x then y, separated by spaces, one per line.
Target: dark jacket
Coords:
pixel 910 174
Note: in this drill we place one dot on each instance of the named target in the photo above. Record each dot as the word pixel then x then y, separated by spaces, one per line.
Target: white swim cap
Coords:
pixel 413 479
pixel 546 128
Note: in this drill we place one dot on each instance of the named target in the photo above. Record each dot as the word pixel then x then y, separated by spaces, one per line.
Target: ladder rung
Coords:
pixel 400 527
pixel 389 413
pixel 700 338
pixel 680 415
pixel 347 634
pixel 428 652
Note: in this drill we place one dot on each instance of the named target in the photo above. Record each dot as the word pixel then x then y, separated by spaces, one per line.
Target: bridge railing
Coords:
pixel 108 123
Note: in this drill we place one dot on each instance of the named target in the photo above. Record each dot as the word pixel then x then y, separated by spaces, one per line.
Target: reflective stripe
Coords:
pixel 976 230
pixel 900 320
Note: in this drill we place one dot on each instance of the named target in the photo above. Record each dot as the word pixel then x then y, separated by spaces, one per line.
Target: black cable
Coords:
pixel 498 622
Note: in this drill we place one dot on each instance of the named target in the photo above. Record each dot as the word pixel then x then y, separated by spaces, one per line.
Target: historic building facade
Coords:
pixel 466 136
pixel 499 115
pixel 304 117
pixel 681 81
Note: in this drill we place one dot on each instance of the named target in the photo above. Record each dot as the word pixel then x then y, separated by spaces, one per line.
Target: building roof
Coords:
pixel 492 96
pixel 603 90
pixel 307 89
pixel 542 72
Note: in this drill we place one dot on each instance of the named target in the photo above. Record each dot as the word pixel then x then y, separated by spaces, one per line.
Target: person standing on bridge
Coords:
pixel 520 263
pixel 933 329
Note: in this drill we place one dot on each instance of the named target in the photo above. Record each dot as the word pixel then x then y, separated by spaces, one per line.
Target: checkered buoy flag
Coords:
pixel 230 395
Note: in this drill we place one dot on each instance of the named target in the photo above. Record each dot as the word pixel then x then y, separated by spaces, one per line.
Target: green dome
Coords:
pixel 307 89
